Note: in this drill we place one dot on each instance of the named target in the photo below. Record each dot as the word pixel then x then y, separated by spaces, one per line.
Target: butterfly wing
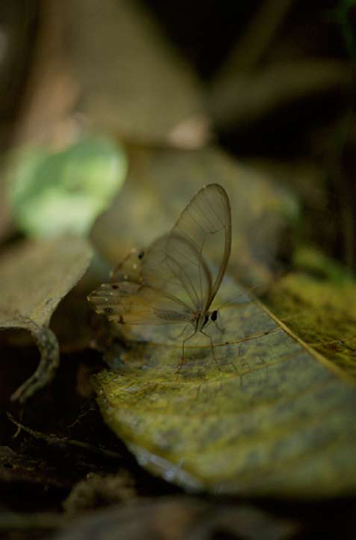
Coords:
pixel 171 282
pixel 134 304
pixel 207 214
pixel 165 292
pixel 129 269
pixel 174 266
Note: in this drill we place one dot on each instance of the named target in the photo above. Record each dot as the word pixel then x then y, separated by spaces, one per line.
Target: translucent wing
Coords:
pixel 173 265
pixel 207 213
pixel 166 291
pixel 170 282
pixel 131 303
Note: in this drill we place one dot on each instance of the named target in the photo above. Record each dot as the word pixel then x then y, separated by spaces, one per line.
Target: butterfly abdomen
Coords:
pixel 173 316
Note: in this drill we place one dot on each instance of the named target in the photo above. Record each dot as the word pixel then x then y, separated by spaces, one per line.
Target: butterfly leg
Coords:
pixel 182 360
pixel 212 347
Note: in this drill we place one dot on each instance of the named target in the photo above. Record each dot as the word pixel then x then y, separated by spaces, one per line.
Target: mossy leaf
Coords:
pixel 271 418
pixel 322 313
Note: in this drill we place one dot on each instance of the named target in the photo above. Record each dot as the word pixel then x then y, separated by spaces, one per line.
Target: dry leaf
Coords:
pixel 51 90
pixel 34 278
pixel 97 491
pixel 180 519
pixel 133 83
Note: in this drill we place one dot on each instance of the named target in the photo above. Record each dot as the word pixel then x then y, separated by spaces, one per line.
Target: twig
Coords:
pixel 54 440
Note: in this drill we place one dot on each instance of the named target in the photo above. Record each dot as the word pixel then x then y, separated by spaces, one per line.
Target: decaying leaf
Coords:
pixel 272 418
pixel 99 491
pixel 34 278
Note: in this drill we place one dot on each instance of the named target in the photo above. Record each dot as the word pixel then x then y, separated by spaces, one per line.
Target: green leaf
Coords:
pixel 273 418
pixel 55 192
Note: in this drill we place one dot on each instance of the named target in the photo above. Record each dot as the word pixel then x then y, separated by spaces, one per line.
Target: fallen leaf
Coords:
pixel 34 278
pixel 99 491
pixel 179 519
pixel 273 418
pixel 50 91
pixel 133 82
pixel 56 192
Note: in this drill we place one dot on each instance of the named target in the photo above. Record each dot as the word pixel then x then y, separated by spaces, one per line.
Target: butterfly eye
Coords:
pixel 214 315
pixel 114 286
pixel 141 255
pixel 108 310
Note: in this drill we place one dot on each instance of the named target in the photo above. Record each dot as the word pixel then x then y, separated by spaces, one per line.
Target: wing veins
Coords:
pixel 195 303
pixel 186 257
pixel 218 217
pixel 207 218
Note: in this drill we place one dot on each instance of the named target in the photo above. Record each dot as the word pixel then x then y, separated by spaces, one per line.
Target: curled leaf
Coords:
pixel 34 278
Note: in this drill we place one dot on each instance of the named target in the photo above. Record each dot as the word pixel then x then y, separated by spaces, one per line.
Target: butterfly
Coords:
pixel 171 282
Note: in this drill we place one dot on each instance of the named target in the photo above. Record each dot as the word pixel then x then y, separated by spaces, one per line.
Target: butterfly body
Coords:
pixel 171 282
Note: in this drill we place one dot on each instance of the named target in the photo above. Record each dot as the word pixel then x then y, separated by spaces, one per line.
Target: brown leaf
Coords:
pixel 180 519
pixel 34 278
pixel 132 81
pixel 99 491
pixel 51 90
